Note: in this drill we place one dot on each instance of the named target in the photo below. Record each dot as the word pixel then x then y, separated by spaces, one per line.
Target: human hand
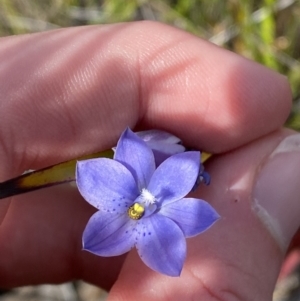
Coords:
pixel 73 91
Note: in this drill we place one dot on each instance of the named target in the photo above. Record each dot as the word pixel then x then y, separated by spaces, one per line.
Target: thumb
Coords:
pixel 255 190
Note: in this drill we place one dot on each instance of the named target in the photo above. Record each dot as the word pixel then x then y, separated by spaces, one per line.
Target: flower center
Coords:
pixel 145 200
pixel 136 211
pixel 147 197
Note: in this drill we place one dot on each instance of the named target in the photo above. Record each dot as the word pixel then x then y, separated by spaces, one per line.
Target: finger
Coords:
pixel 255 191
pixel 75 90
pixel 40 241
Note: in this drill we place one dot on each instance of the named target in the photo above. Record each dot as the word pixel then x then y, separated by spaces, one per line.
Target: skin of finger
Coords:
pixel 41 241
pixel 73 91
pixel 236 259
pixel 77 89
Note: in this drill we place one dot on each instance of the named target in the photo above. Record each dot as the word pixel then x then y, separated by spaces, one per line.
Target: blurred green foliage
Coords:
pixel 266 31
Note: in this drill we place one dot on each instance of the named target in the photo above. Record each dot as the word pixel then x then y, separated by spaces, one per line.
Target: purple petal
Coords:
pixel 175 177
pixel 161 245
pixel 192 215
pixel 106 184
pixel 168 149
pixel 158 136
pixel 162 144
pixel 108 234
pixel 161 156
pixel 134 153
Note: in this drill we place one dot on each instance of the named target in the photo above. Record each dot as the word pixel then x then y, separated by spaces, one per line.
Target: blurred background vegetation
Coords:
pixel 267 31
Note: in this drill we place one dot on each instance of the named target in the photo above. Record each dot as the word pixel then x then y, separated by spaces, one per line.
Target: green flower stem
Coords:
pixel 46 177
pixel 54 175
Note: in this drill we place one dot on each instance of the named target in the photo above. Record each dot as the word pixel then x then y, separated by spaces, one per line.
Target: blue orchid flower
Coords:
pixel 164 145
pixel 141 206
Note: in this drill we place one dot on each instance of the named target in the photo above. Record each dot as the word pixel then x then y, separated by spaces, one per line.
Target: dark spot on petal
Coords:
pixel 149 233
pixel 144 234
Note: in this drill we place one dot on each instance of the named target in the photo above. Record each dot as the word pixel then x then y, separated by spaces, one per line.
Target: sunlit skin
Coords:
pixel 73 91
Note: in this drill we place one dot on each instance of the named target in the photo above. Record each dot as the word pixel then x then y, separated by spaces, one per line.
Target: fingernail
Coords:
pixel 276 194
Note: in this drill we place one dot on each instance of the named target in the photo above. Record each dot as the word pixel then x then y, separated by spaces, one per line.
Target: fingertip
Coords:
pixel 217 99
